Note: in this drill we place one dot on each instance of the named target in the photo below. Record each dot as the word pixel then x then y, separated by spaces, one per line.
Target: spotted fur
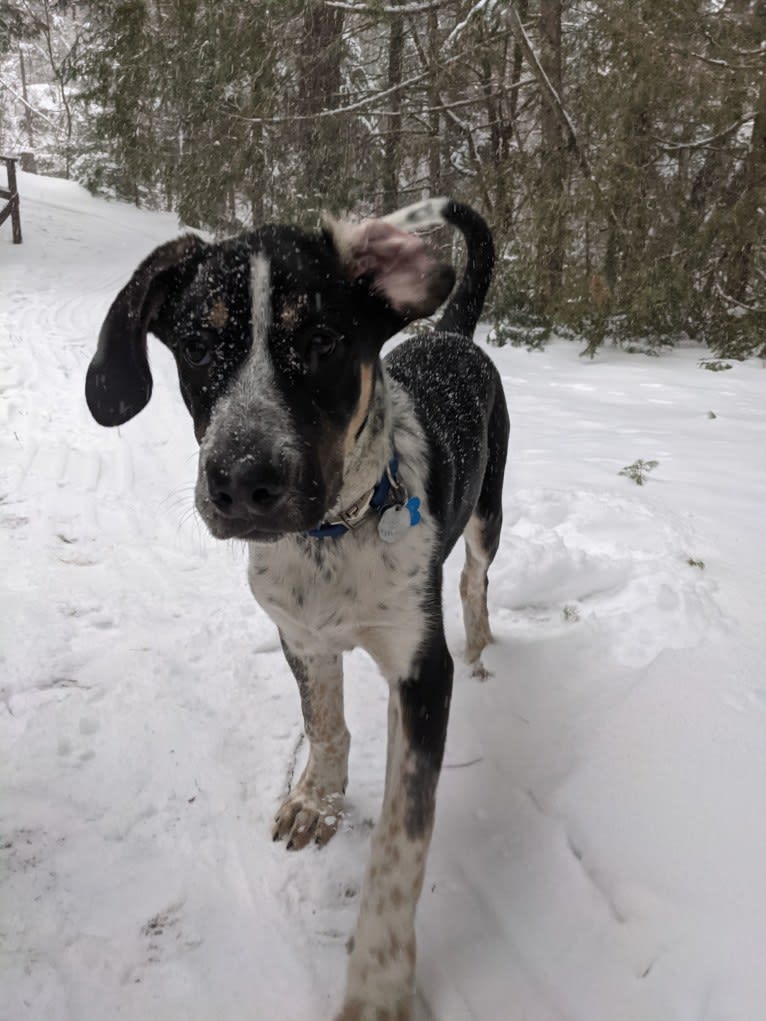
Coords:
pixel 277 338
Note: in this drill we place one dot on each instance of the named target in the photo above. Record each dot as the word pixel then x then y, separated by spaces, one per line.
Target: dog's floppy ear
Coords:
pixel 119 384
pixel 397 265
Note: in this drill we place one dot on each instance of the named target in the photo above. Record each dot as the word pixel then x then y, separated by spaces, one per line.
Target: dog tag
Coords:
pixel 394 523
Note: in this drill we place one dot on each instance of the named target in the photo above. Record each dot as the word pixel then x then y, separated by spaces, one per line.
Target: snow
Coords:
pixel 600 840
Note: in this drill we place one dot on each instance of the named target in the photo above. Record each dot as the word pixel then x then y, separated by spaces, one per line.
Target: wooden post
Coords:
pixel 14 190
pixel 12 195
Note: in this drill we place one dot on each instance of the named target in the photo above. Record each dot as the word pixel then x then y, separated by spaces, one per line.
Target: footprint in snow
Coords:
pixel 165 938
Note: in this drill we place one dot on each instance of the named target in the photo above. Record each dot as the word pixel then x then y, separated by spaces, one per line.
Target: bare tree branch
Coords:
pixel 34 110
pixel 738 304
pixel 548 90
pixel 404 9
pixel 476 9
pixel 760 51
pixel 350 108
pixel 704 142
pixel 719 64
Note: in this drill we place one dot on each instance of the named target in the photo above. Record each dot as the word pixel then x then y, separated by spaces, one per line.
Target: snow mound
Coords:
pixel 615 564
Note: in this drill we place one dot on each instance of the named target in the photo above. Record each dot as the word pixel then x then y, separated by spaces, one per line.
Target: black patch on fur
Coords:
pixel 301 674
pixel 459 401
pixel 425 699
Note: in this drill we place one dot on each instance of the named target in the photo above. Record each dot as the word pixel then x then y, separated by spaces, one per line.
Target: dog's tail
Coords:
pixel 464 307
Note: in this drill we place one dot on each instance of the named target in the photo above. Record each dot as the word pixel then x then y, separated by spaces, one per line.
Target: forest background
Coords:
pixel 617 147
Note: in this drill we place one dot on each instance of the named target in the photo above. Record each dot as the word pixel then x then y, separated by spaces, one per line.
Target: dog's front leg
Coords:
pixel 381 970
pixel 312 809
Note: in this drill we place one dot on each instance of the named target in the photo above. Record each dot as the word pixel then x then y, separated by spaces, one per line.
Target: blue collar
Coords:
pixel 379 499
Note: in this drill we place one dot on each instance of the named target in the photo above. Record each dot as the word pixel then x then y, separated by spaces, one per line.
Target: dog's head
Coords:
pixel 276 336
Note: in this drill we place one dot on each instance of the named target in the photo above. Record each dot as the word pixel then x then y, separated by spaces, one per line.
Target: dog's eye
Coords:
pixel 323 343
pixel 196 353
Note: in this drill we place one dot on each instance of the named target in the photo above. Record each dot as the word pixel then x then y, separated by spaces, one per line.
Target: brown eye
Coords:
pixel 196 353
pixel 323 343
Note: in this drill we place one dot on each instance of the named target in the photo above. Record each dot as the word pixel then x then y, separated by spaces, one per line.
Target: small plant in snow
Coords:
pixel 570 613
pixel 521 329
pixel 712 414
pixel 695 563
pixel 639 470
pixel 715 365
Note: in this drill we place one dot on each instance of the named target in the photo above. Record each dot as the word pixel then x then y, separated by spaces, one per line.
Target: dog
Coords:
pixel 351 479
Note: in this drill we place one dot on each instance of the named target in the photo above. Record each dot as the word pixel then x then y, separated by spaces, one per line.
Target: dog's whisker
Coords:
pixel 180 495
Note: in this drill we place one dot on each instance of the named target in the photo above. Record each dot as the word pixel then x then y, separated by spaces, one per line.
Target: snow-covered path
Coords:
pixel 601 834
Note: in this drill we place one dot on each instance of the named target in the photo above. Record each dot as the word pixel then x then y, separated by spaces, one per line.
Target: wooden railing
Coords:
pixel 11 194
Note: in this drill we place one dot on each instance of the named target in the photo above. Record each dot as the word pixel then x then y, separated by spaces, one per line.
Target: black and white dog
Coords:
pixel 351 479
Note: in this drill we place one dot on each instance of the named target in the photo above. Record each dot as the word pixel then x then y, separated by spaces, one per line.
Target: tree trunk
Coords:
pixel 321 48
pixel 434 148
pixel 27 112
pixel 550 246
pixel 748 212
pixel 392 143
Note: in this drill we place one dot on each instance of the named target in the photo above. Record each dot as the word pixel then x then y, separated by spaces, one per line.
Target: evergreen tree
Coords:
pixel 617 147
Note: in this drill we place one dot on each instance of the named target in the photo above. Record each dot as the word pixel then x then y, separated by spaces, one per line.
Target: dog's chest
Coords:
pixel 331 596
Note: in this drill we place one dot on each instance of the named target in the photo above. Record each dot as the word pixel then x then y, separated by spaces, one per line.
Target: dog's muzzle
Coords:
pixel 248 497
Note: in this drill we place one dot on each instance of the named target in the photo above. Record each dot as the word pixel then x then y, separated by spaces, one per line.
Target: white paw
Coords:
pixel 479 671
pixel 357 1010
pixel 306 818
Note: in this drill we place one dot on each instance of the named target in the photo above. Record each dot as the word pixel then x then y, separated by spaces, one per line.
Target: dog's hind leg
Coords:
pixel 482 538
pixel 473 593
pixel 312 809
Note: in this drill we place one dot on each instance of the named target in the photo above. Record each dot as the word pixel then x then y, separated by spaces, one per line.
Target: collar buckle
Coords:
pixel 389 492
pixel 356 513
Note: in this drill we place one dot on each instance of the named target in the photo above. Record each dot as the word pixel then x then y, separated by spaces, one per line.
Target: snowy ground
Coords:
pixel 601 836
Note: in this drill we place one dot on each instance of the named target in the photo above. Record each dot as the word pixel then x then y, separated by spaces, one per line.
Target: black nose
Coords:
pixel 248 487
